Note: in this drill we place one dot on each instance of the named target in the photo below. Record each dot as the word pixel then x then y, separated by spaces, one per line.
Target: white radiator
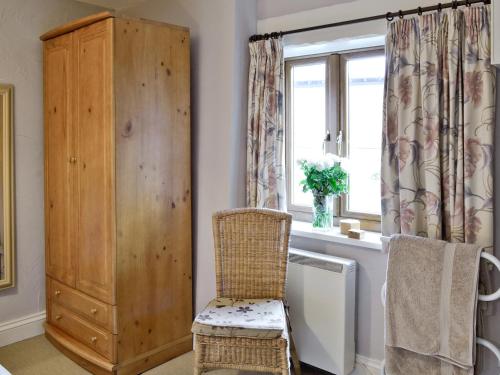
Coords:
pixel 321 292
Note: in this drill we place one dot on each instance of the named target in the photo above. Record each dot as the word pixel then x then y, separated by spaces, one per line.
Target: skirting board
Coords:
pixel 367 366
pixel 22 328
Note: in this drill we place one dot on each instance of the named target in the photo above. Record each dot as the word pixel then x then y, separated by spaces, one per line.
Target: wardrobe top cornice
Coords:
pixel 85 21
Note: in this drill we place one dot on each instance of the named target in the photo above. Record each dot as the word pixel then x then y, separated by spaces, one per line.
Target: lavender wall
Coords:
pixel 275 8
pixel 21 24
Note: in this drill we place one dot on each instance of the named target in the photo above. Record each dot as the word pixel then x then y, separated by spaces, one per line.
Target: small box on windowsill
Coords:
pixel 348 224
pixel 356 234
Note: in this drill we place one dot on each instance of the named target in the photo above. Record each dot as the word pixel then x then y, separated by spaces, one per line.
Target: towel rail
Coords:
pixel 494 296
pixel 486 298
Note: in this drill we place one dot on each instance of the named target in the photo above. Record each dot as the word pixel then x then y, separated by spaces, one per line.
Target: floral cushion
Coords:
pixel 229 317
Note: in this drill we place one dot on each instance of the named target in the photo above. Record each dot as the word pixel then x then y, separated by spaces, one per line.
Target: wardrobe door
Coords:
pixel 96 228
pixel 59 159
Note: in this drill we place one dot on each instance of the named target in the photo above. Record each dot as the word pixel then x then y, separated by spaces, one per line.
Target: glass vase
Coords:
pixel 322 212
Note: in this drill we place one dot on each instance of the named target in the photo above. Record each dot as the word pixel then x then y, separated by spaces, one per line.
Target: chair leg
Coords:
pixel 295 357
pixel 293 350
pixel 197 369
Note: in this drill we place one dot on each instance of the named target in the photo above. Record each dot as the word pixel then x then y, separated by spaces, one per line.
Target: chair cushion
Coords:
pixel 229 317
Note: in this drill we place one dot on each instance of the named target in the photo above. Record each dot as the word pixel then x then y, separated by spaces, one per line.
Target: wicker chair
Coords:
pixel 251 253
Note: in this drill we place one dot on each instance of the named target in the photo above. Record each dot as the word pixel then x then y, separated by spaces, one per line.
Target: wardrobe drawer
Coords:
pixel 88 334
pixel 95 311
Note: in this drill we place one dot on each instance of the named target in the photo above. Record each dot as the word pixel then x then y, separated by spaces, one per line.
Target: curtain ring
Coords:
pixel 420 11
pixel 440 7
pixel 401 15
pixel 389 16
pixel 454 4
pixel 467 3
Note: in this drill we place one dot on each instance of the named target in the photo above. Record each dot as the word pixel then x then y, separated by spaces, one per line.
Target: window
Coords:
pixel 335 104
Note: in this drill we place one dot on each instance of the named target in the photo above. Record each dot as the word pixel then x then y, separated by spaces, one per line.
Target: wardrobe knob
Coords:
pixel 93 311
pixel 58 317
pixel 93 339
pixel 72 160
pixel 57 292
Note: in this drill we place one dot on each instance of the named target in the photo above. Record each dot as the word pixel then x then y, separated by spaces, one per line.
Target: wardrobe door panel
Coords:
pixel 96 229
pixel 59 158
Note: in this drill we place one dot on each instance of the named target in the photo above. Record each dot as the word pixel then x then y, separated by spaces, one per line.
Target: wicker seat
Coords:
pixel 251 254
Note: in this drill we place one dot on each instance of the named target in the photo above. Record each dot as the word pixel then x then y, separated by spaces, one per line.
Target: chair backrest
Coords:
pixel 251 252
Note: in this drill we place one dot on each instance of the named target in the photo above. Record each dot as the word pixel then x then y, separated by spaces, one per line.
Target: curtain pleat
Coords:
pixel 265 168
pixel 439 111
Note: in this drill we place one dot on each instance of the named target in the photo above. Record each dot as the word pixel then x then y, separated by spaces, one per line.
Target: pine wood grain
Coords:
pixel 93 310
pixel 75 25
pixel 59 147
pixel 78 352
pixel 153 186
pixel 127 138
pixel 98 365
pixel 95 160
pixel 85 332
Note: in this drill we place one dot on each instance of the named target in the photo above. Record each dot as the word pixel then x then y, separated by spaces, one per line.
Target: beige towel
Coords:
pixel 404 362
pixel 431 302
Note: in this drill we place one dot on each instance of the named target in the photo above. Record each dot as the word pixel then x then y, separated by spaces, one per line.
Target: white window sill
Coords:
pixel 371 240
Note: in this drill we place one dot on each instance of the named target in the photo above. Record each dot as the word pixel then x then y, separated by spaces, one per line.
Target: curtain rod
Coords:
pixel 389 16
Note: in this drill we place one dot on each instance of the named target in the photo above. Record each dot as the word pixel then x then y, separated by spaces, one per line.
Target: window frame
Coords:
pixel 304 212
pixel 369 220
pixel 336 124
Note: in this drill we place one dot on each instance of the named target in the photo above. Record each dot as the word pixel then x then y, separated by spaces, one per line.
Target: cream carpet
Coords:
pixel 37 356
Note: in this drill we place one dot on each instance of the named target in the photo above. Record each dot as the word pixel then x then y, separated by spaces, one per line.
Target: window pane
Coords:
pixel 308 116
pixel 365 86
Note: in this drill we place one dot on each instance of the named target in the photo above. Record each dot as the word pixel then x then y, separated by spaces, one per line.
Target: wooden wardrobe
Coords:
pixel 118 192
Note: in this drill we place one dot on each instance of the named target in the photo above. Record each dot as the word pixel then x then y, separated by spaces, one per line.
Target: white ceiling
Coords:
pixel 113 4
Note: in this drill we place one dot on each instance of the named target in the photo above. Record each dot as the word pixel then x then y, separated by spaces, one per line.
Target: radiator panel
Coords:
pixel 321 291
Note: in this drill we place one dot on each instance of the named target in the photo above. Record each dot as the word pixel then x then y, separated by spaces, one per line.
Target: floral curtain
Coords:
pixel 439 118
pixel 265 168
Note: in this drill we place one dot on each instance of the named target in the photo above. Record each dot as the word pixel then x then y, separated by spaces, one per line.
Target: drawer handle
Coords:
pixel 57 292
pixel 93 311
pixel 58 317
pixel 93 339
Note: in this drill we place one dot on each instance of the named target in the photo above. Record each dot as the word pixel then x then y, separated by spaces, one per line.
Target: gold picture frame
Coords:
pixel 7 224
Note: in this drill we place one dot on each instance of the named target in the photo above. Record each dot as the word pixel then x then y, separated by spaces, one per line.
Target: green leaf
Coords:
pixel 330 181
